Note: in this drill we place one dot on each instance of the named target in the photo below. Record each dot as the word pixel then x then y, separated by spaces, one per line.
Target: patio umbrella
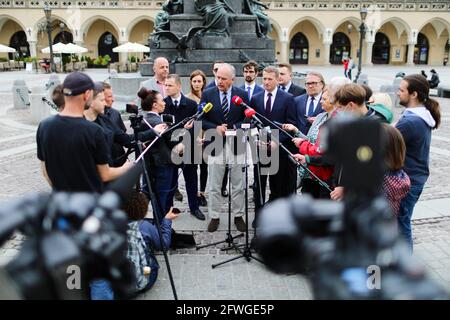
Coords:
pixel 73 48
pixel 4 48
pixel 57 48
pixel 131 47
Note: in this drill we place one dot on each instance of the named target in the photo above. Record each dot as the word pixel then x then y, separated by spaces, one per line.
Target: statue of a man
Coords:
pixel 170 7
pixel 254 7
pixel 218 15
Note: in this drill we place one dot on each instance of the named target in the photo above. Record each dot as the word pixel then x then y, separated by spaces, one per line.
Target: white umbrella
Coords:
pixel 4 48
pixel 57 48
pixel 131 47
pixel 73 48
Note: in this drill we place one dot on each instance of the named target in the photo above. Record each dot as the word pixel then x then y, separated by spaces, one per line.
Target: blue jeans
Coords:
pixel 161 175
pixel 101 290
pixel 406 211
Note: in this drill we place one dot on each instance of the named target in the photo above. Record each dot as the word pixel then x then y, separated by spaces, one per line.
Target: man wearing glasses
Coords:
pixel 308 105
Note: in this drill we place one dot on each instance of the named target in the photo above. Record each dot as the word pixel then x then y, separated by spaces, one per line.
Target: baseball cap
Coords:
pixel 77 83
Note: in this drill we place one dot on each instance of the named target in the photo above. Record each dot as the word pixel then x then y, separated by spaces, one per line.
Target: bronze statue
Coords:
pixel 181 42
pixel 170 7
pixel 254 7
pixel 218 16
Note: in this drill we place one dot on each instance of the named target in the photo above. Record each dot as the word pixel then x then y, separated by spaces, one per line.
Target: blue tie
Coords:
pixel 225 105
pixel 249 92
pixel 311 107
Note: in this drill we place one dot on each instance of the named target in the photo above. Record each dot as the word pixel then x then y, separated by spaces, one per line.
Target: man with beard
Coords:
pixel 250 74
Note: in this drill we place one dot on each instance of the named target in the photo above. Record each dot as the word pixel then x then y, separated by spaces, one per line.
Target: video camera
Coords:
pixel 349 250
pixel 71 240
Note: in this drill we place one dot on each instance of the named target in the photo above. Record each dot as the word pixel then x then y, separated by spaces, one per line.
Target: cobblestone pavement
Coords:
pixel 194 277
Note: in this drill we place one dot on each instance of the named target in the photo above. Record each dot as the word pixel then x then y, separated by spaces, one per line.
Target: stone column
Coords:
pixel 81 44
pixel 284 50
pixel 326 53
pixel 410 58
pixel 368 53
pixel 33 49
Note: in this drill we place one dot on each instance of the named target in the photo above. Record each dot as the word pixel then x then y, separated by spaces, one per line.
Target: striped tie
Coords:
pixel 225 109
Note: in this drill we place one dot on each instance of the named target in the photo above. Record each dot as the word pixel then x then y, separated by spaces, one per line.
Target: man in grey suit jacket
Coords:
pixel 161 70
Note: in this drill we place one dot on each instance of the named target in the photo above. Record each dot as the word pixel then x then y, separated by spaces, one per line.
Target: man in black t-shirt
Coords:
pixel 72 150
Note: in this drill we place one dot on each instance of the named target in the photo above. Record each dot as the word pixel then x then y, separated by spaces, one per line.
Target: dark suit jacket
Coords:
pixel 210 85
pixel 257 89
pixel 186 108
pixel 283 110
pixel 296 90
pixel 160 152
pixel 300 104
pixel 215 117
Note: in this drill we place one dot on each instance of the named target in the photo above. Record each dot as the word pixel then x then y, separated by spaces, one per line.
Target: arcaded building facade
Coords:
pixel 313 32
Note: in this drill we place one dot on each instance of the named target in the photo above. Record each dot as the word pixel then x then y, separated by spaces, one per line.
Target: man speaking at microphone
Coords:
pixel 181 108
pixel 222 117
pixel 277 106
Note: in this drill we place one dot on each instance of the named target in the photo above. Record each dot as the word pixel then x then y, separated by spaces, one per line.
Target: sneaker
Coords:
pixel 202 200
pixel 178 196
pixel 198 214
pixel 213 225
pixel 240 224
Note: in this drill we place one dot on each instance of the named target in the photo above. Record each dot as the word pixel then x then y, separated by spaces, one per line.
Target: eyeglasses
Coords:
pixel 312 83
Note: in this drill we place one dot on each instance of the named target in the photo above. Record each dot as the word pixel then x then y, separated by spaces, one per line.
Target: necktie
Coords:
pixel 225 105
pixel 283 88
pixel 269 104
pixel 175 103
pixel 311 107
pixel 249 92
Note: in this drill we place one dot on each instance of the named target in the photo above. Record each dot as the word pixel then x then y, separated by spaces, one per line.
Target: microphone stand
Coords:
pixel 246 252
pixel 259 125
pixel 153 198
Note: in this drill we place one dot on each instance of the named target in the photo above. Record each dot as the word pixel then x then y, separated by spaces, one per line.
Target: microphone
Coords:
pixel 239 102
pixel 250 113
pixel 202 109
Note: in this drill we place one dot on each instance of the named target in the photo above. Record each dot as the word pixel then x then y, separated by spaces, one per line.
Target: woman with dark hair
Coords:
pixel 198 83
pixel 396 182
pixel 158 158
pixel 422 114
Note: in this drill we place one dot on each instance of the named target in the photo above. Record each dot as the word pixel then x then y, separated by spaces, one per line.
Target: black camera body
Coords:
pixel 349 249
pixel 71 240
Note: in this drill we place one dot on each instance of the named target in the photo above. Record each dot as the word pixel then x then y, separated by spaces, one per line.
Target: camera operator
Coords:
pixel 181 108
pixel 158 157
pixel 73 151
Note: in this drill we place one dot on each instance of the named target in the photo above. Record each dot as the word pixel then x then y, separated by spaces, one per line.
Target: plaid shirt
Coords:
pixel 396 186
pixel 137 253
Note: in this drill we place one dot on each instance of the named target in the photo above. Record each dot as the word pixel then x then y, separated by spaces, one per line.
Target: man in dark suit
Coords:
pixel 215 66
pixel 276 105
pixel 181 108
pixel 250 70
pixel 285 80
pixel 222 117
pixel 308 105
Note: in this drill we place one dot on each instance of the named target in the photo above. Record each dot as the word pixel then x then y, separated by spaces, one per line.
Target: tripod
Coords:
pixel 135 123
pixel 245 252
pixel 229 238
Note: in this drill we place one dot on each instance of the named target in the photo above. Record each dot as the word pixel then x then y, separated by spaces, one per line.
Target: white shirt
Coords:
pixel 287 86
pixel 266 96
pixel 315 102
pixel 176 99
pixel 252 88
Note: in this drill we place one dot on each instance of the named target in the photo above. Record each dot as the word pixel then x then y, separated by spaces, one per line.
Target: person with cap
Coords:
pixel 73 151
pixel 113 134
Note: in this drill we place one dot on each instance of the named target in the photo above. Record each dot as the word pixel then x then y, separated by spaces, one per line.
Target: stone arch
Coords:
pixel 399 24
pixel 140 31
pixel 438 24
pixel 136 21
pixel 4 18
pixel 437 33
pixel 86 25
pixel 320 28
